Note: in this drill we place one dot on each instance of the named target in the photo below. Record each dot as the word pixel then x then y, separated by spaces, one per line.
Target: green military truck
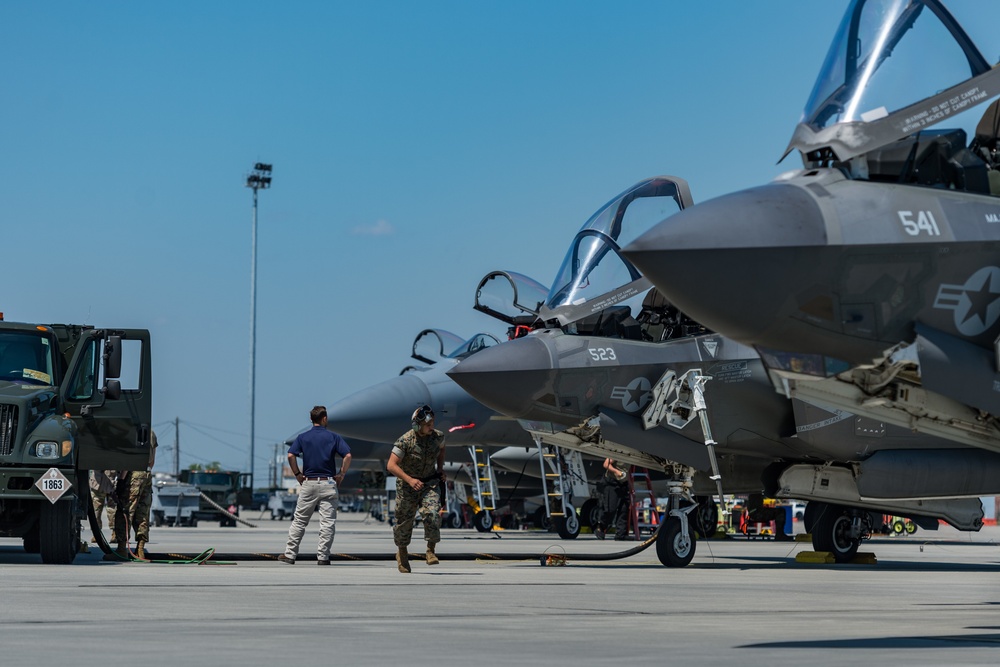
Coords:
pixel 72 399
pixel 223 492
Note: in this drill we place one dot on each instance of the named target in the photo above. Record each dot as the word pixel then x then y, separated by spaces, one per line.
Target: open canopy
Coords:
pixel 895 67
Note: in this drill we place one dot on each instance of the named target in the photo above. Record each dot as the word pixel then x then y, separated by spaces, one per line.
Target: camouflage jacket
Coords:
pixel 418 455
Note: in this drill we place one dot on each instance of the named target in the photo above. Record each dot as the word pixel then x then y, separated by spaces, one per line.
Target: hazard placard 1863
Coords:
pixel 53 484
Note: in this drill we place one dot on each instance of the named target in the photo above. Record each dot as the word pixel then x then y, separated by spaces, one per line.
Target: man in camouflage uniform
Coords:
pixel 135 489
pixel 417 461
pixel 102 494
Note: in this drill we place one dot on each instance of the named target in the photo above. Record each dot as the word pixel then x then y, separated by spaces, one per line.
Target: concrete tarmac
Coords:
pixel 932 599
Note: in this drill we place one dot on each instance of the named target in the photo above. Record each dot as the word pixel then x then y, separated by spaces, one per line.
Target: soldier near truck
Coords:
pixel 135 496
pixel 72 399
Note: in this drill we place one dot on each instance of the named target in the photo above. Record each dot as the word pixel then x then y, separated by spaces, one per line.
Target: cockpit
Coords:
pixel 897 71
pixel 597 291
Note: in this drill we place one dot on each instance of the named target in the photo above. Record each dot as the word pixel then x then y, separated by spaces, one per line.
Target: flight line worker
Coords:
pixel 319 481
pixel 417 461
pixel 613 496
pixel 135 513
pixel 102 495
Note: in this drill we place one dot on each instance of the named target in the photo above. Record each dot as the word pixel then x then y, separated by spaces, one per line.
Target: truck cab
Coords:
pixel 73 398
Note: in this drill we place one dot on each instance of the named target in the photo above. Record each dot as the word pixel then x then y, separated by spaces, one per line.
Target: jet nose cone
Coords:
pixel 735 263
pixel 506 377
pixel 380 413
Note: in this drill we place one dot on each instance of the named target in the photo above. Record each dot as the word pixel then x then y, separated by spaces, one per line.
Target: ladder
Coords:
pixel 552 480
pixel 485 486
pixel 642 502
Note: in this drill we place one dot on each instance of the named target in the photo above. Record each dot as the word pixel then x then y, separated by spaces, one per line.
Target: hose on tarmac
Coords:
pixel 543 557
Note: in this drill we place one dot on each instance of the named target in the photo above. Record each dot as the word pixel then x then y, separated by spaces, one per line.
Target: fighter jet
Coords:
pixel 381 413
pixel 869 280
pixel 592 377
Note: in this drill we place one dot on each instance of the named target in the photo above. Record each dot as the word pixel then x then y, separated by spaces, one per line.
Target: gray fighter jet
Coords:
pixel 381 413
pixel 594 378
pixel 869 280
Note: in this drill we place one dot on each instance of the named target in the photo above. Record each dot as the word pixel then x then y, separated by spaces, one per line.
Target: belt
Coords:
pixel 320 479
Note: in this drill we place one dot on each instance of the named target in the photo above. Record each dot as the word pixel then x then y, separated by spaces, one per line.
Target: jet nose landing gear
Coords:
pixel 675 541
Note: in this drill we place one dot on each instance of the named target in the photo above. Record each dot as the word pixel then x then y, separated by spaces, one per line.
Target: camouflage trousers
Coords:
pixel 137 489
pixel 427 501
pixel 104 502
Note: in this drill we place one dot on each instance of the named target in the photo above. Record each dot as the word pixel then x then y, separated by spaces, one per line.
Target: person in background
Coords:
pixel 319 481
pixel 417 461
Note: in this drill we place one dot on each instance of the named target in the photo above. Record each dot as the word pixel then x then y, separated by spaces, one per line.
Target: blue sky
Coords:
pixel 416 147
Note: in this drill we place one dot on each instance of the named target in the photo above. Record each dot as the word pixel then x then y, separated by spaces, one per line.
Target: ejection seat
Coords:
pixel 985 144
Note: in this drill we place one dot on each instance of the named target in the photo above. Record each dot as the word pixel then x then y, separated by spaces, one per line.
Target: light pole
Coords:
pixel 259 179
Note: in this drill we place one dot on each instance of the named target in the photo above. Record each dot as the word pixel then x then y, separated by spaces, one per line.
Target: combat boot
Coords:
pixel 431 557
pixel 403 560
pixel 140 549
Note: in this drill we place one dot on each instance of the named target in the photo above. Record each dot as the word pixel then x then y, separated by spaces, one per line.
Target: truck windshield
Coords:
pixel 26 357
pixel 209 479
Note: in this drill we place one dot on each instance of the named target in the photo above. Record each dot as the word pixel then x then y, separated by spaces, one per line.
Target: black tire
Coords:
pixel 453 520
pixel 59 532
pixel 568 526
pixel 157 519
pixel 833 524
pixel 898 527
pixel 540 520
pixel 670 548
pixel 31 542
pixel 809 515
pixel 590 513
pixel 706 517
pixel 910 527
pixel 482 521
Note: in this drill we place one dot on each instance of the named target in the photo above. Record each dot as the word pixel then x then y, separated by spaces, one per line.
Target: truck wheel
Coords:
pixel 157 519
pixel 59 532
pixel 31 545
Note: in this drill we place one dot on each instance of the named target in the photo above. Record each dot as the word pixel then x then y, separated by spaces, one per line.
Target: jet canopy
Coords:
pixel 895 68
pixel 594 275
pixel 432 345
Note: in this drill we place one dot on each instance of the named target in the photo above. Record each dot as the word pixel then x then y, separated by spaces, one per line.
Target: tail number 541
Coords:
pixel 918 222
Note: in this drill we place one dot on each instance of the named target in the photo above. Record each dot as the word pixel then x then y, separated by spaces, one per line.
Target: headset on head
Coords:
pixel 421 416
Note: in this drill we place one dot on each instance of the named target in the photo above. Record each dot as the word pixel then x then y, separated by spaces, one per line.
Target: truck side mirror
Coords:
pixel 112 390
pixel 113 357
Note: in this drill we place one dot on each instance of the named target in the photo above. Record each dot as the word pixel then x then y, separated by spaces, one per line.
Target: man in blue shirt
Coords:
pixel 319 481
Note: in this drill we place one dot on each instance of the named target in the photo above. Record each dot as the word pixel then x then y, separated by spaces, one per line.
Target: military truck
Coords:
pixel 72 399
pixel 223 489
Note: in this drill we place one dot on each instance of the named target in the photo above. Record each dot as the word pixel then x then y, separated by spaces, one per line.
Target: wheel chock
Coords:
pixel 824 557
pixel 864 559
pixel 803 537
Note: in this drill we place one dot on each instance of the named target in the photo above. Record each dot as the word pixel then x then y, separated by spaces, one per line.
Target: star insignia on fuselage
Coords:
pixel 634 396
pixel 976 303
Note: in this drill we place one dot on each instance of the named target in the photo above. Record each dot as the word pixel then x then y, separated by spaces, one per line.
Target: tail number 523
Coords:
pixel 602 353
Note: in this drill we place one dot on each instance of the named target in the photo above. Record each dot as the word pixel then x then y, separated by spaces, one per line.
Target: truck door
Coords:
pixel 112 418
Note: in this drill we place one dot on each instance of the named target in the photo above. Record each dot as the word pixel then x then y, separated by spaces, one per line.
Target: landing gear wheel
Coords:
pixel 898 527
pixel 482 521
pixel 157 519
pixel 671 548
pixel 453 520
pixel 706 517
pixel 540 520
pixel 832 533
pixel 910 527
pixel 809 516
pixel 590 513
pixel 59 532
pixel 568 526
